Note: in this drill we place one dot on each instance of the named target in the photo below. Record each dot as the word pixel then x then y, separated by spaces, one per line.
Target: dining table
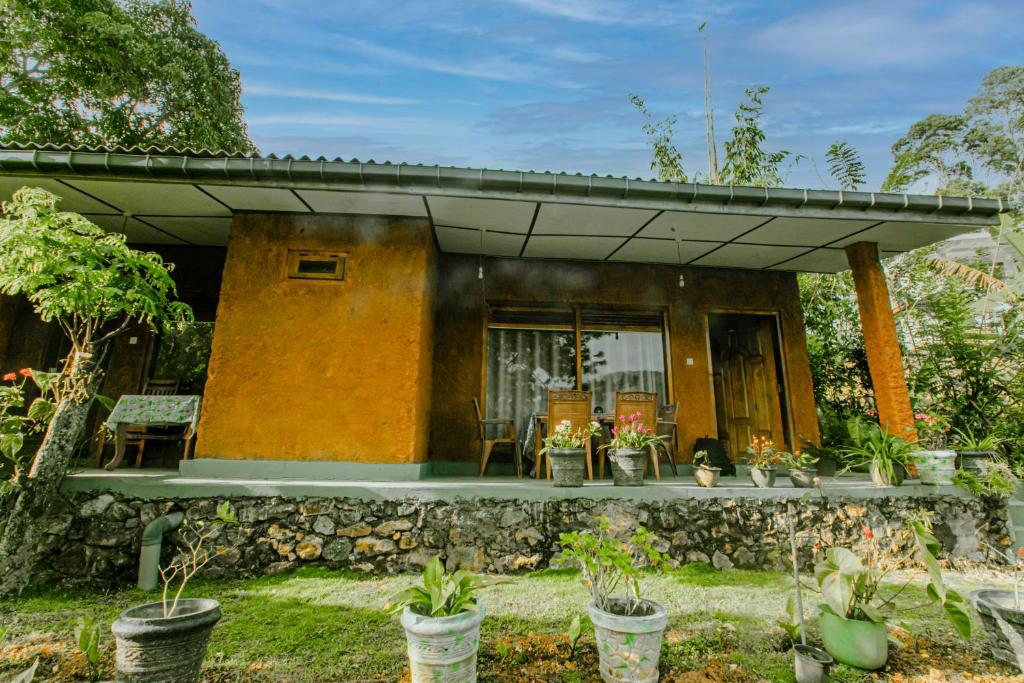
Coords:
pixel 146 411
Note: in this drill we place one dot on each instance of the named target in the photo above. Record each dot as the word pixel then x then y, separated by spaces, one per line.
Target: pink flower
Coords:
pixel 10 377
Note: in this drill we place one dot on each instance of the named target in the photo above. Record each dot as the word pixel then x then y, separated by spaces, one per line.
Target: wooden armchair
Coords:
pixel 572 406
pixel 628 403
pixel 667 427
pixel 487 445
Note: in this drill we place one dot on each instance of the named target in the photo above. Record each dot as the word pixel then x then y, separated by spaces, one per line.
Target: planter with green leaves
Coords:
pixel 566 449
pixel 442 620
pixel 933 462
pixel 628 628
pixel 1002 613
pixel 165 642
pixel 972 451
pixel 762 457
pixel 703 472
pixel 886 455
pixel 803 471
pixel 629 447
pixel 995 479
pixel 853 619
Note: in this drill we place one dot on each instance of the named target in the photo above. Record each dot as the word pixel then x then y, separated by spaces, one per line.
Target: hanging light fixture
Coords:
pixel 679 258
pixel 480 268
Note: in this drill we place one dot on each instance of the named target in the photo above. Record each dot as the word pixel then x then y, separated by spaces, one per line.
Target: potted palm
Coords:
pixel 166 640
pixel 762 458
pixel 1002 614
pixel 853 617
pixel 629 446
pixel 442 620
pixel 703 472
pixel 887 456
pixel 802 467
pixel 935 464
pixel 628 628
pixel 566 449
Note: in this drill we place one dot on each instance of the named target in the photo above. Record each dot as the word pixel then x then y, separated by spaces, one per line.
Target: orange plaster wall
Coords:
pixel 321 370
pixel 459 332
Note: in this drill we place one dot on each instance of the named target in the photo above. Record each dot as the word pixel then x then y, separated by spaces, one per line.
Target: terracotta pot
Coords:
pixel 862 644
pixel 763 477
pixel 628 466
pixel 443 648
pixel 155 649
pixel 568 466
pixel 629 647
pixel 707 476
pixel 1004 623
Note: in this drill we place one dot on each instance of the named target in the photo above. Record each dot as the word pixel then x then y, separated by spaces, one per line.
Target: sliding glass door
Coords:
pixel 622 361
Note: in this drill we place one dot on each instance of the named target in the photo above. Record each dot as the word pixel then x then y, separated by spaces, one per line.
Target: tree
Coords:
pixel 933 147
pixel 666 160
pixel 94 286
pixel 115 72
pixel 845 166
pixel 746 161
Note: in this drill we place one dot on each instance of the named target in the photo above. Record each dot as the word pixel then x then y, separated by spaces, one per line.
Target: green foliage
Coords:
pixel 87 637
pixel 700 459
pixel 608 563
pixel 115 72
pixel 564 436
pixel 996 480
pixel 845 165
pixel 798 460
pixel 871 443
pixel 996 119
pixel 666 160
pixel 966 440
pixel 791 624
pixel 932 146
pixel 184 354
pixel 574 633
pixel 746 161
pixel 442 594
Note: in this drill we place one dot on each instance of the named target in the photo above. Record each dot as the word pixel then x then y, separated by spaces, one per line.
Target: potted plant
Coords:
pixel 442 620
pixel 1002 614
pixel 803 472
pixel 567 449
pixel 703 472
pixel 887 456
pixel 827 459
pixel 811 664
pixel 629 447
pixel 762 458
pixel 627 627
pixel 935 464
pixel 971 450
pixel 995 479
pixel 166 640
pixel 853 617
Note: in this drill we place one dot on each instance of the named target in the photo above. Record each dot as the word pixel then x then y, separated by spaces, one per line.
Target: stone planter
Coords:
pixel 882 481
pixel 936 467
pixel 568 466
pixel 154 649
pixel 803 479
pixel 863 644
pixel 827 466
pixel 763 477
pixel 628 466
pixel 707 476
pixel 443 648
pixel 629 647
pixel 1005 625
pixel 812 664
pixel 971 460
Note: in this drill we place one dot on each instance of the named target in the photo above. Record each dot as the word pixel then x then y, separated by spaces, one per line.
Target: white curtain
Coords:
pixel 622 361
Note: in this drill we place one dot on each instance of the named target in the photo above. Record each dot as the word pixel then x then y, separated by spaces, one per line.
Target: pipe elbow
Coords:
pixel 154 532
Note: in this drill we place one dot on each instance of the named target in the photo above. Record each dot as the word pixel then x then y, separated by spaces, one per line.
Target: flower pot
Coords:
pixel 707 476
pixel 629 646
pixel 568 466
pixel 155 649
pixel 803 479
pixel 827 466
pixel 443 648
pixel 1005 625
pixel 812 664
pixel 880 478
pixel 628 466
pixel 763 477
pixel 863 644
pixel 936 467
pixel 971 460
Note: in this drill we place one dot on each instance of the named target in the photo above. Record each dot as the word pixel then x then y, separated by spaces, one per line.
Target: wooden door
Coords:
pixel 747 386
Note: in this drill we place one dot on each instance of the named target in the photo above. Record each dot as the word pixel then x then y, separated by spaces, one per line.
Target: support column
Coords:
pixel 885 362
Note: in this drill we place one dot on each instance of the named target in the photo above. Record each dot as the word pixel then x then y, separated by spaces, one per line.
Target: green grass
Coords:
pixel 321 625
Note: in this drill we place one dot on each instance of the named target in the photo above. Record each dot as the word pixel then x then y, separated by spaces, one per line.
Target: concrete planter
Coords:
pixel 707 476
pixel 154 649
pixel 628 466
pixel 812 664
pixel 443 648
pixel 629 647
pixel 883 481
pixel 971 460
pixel 1005 625
pixel 936 467
pixel 803 479
pixel 862 644
pixel 763 477
pixel 568 466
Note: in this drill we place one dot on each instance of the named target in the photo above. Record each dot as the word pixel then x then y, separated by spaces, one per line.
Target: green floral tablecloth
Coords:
pixel 155 411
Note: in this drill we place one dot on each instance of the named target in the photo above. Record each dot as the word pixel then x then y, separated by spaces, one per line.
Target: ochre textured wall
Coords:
pixel 322 370
pixel 459 326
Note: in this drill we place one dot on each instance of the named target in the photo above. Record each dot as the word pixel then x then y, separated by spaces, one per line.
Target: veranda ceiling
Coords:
pixel 168 196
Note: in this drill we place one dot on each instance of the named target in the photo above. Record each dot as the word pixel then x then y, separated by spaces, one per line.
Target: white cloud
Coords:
pixel 389 124
pixel 614 12
pixel 267 90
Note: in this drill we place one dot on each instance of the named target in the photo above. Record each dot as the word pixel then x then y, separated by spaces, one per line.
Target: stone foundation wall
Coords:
pixel 96 536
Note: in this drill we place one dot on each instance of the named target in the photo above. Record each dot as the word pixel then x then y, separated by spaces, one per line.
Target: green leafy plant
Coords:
pixel 798 460
pixel 761 453
pixel 845 165
pixel 791 624
pixel 997 479
pixel 965 440
pixel 852 587
pixel 701 459
pixel 442 594
pixel 195 557
pixel 746 161
pixel 632 434
pixel 608 564
pixel 873 444
pixel 87 637
pixel 564 436
pixel 574 633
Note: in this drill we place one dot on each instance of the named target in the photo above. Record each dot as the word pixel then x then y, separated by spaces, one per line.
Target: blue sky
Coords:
pixel 544 84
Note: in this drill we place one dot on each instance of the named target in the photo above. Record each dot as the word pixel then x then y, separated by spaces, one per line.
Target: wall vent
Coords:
pixel 316 265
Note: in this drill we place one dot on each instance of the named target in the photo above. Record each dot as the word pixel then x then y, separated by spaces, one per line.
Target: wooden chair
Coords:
pixel 628 403
pixel 574 406
pixel 667 427
pixel 160 387
pixel 487 445
pixel 138 435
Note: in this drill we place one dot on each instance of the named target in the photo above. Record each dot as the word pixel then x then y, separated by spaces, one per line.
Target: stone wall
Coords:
pixel 96 535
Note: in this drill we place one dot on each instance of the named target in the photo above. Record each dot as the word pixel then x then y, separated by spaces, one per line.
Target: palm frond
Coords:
pixel 978 279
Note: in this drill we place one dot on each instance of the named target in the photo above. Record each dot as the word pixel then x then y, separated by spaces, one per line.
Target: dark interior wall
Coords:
pixel 459 329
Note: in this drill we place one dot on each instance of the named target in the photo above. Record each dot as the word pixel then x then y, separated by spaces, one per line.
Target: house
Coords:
pixel 358 308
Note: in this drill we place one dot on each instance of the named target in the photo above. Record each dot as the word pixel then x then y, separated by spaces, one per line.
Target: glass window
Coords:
pixel 622 361
pixel 184 355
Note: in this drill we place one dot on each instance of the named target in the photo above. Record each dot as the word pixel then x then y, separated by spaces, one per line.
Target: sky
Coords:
pixel 545 84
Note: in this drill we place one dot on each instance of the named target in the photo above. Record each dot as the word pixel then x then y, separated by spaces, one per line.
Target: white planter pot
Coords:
pixel 443 649
pixel 935 467
pixel 629 647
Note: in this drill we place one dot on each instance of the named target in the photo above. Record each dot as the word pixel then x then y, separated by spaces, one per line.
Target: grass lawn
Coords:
pixel 323 625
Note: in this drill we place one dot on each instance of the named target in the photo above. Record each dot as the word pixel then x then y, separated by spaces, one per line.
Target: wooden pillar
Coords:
pixel 885 362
